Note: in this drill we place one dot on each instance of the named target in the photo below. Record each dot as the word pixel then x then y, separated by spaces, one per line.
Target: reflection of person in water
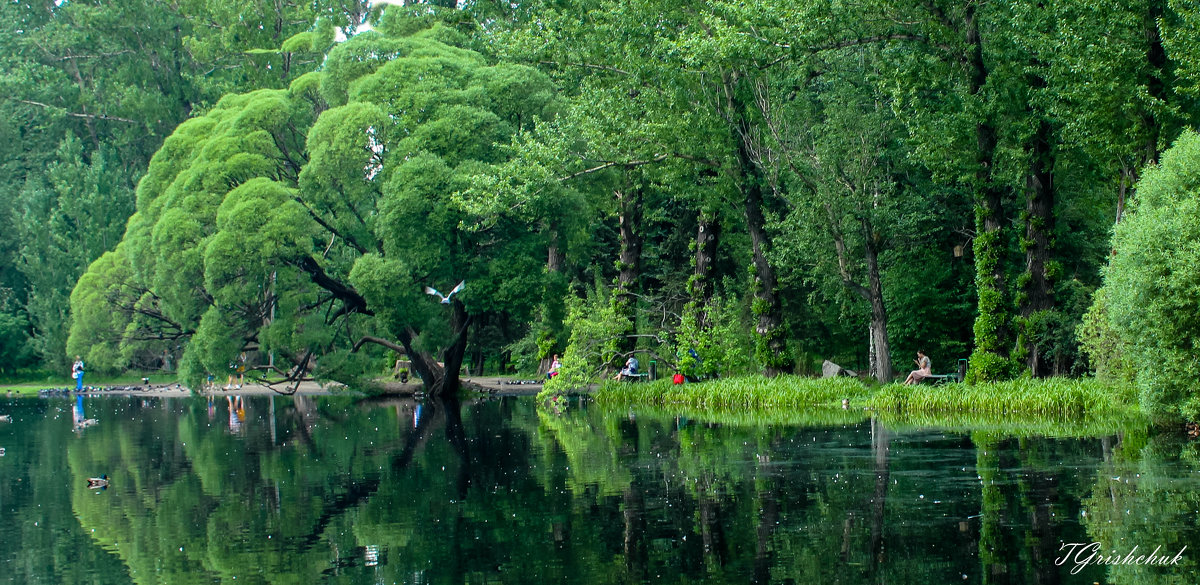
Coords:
pixel 78 418
pixel 237 413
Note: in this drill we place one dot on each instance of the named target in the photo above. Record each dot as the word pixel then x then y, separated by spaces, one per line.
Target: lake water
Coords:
pixel 301 490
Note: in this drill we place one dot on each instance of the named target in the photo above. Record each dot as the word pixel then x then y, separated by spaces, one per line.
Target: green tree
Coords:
pixel 66 222
pixel 315 216
pixel 1151 286
pixel 120 77
pixel 667 92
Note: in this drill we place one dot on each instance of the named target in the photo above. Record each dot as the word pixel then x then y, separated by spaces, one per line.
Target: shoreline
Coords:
pixel 496 385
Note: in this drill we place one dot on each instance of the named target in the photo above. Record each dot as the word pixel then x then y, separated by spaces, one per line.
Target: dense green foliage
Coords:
pixel 92 89
pixel 298 221
pixel 1152 286
pixel 766 185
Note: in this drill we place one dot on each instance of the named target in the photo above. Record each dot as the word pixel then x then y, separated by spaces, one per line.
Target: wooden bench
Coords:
pixel 958 376
pixel 940 379
pixel 636 377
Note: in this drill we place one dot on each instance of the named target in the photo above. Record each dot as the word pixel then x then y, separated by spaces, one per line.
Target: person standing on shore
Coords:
pixel 237 370
pixel 77 373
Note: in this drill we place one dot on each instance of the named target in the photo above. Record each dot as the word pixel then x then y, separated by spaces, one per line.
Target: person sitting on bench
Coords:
pixel 924 369
pixel 629 371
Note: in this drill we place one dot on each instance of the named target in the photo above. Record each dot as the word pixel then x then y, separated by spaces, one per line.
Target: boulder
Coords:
pixel 832 370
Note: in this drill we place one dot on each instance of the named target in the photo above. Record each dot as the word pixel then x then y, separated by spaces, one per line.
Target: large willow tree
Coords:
pixel 306 222
pixel 91 89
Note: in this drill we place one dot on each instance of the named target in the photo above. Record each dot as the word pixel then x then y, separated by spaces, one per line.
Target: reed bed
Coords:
pixel 748 392
pixel 1055 407
pixel 812 417
pixel 1053 397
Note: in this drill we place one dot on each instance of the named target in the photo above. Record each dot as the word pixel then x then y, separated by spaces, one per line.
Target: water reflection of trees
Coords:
pixel 1147 494
pixel 338 490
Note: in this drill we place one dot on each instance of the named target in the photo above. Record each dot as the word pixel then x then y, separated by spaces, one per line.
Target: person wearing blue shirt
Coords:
pixel 630 369
pixel 77 373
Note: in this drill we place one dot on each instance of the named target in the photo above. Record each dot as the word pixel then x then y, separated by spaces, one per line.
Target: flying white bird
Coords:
pixel 445 298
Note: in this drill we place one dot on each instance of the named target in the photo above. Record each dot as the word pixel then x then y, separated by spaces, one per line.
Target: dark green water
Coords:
pixel 329 490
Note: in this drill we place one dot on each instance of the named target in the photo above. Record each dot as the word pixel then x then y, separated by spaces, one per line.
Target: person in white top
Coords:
pixel 924 369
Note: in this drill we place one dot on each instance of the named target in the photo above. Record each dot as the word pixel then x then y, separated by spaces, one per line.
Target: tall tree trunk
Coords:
pixel 423 363
pixel 1128 179
pixel 708 233
pixel 993 333
pixel 452 356
pixel 476 360
pixel 554 253
pixel 436 379
pixel 771 347
pixel 879 352
pixel 553 299
pixel 629 216
pixel 882 369
pixel 1039 226
pixel 1156 86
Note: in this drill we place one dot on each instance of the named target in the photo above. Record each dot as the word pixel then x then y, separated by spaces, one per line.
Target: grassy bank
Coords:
pixel 1006 425
pixel 746 392
pixel 1052 397
pixel 1055 398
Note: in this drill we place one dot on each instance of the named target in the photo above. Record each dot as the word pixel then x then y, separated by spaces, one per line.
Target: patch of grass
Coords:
pixel 737 393
pixel 1049 407
pixel 1052 397
pixel 820 416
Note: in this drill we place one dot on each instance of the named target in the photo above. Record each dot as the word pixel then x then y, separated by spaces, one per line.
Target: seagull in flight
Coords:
pixel 445 298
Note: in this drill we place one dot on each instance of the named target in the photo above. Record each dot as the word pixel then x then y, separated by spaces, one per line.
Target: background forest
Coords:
pixel 722 187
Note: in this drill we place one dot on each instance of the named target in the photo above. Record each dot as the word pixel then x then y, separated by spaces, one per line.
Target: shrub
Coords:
pixel 596 328
pixel 723 346
pixel 1153 282
pixel 1107 352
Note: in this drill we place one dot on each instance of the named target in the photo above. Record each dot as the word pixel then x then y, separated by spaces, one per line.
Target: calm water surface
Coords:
pixel 332 490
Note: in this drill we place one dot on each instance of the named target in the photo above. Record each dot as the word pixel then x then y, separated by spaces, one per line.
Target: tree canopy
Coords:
pixel 719 187
pixel 303 222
